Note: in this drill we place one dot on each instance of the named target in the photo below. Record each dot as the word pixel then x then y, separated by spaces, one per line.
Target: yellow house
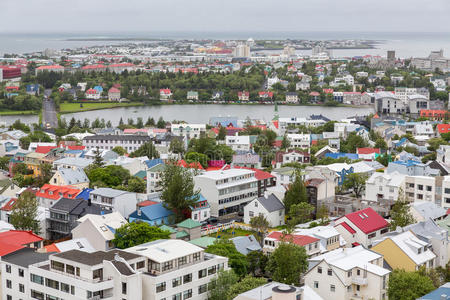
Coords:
pixel 68 176
pixel 32 161
pixel 406 251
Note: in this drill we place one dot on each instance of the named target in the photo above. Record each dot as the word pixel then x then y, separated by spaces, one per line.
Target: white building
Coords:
pixel 384 186
pixel 329 237
pixel 227 191
pixel 114 200
pixel 176 269
pixel 99 229
pixel 107 142
pixel 420 188
pixel 279 291
pixel 238 142
pixel 269 206
pixel 189 131
pixel 299 140
pixel 348 273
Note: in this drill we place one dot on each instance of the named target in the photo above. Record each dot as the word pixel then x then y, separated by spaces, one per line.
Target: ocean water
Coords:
pixel 410 44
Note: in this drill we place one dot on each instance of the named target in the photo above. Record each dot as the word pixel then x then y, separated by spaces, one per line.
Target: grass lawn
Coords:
pixel 75 107
pixel 227 234
pixel 18 112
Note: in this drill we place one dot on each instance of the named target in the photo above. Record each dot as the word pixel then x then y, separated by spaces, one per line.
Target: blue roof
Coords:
pixel 408 163
pixel 436 294
pixel 98 88
pixel 84 194
pixel 152 212
pixel 153 162
pixel 401 142
pixel 341 154
pixel 32 87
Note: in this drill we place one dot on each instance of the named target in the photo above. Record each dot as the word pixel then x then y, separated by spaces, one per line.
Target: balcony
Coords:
pixel 359 280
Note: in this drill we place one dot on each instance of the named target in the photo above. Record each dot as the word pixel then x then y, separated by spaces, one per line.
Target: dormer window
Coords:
pixel 419 250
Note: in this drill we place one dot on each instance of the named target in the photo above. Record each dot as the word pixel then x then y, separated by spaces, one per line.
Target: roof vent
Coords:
pixel 365 215
pixel 361 216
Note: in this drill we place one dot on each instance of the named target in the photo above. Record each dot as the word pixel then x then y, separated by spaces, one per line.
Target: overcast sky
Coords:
pixel 224 15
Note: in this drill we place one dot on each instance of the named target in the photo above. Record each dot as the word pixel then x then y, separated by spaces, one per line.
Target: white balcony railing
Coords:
pixel 359 280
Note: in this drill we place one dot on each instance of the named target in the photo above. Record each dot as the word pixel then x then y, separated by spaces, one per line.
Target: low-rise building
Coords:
pixel 311 244
pixel 114 200
pixel 107 142
pixel 269 206
pixel 76 178
pixel 189 131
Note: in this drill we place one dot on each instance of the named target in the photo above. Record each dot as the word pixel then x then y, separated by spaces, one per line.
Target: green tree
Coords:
pixel 178 191
pixel 161 123
pixel 222 133
pixel 300 213
pixel 219 287
pixel 296 193
pixel 24 213
pixel 132 234
pixel 237 261
pixel 246 284
pixel 257 262
pixel 147 149
pixel 408 285
pixel 176 146
pixel 261 226
pixel 285 143
pixel 136 185
pixel 45 174
pixel 109 176
pixel 287 263
pixel 381 143
pixel 322 214
pixel 356 182
pixel 400 213
pixel 119 150
pixel 98 159
pixel 4 162
pixel 352 142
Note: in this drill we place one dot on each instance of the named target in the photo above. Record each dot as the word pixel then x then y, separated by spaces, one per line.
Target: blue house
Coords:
pixel 32 89
pixel 98 88
pixel 352 156
pixel 223 121
pixel 154 215
pixel 84 194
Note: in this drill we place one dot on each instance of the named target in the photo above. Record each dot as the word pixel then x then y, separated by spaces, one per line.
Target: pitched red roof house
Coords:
pixel 346 226
pixel 44 149
pixel 14 240
pixel 9 205
pixel 443 128
pixel 367 220
pixel 367 150
pixel 300 240
pixel 56 192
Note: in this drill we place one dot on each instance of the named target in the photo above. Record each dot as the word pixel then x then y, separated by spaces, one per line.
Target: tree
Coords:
pixel 400 214
pixel 285 143
pixel 45 174
pixel 132 234
pixel 147 149
pixel 4 162
pixel 236 260
pixel 287 263
pixel 219 287
pixel 119 150
pixel 24 213
pixel 109 176
pixel 408 285
pixel 381 143
pixel 176 146
pixel 150 122
pixel 246 284
pixel 161 123
pixel 257 262
pixel 296 193
pixel 300 213
pixel 98 159
pixel 356 182
pixel 322 213
pixel 261 226
pixel 178 189
pixel 136 185
pixel 222 133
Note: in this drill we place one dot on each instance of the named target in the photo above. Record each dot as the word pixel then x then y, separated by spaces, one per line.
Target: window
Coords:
pixel 250 214
pixel 8 297
pixel 124 287
pixel 358 272
pixel 176 296
pixel 202 289
pixel 70 269
pixel 21 288
pixel 37 295
pixel 56 265
pixel 420 187
pixel 349 273
pixel 187 294
pixel 160 287
pixel 196 256
pixel 330 272
pixel 21 272
pixel 212 270
pixel 319 270
pixel 37 279
pixel 182 260
pixel 372 235
pixel 202 273
pixel 358 288
pixel 332 288
pixel 140 265
pixel 8 284
pixel 8 269
pixel 52 283
pixel 167 265
pixel 176 281
pixel 316 284
pixel 429 188
pixel 187 278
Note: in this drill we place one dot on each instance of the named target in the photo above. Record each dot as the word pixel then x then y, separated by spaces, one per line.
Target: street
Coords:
pixel 49 113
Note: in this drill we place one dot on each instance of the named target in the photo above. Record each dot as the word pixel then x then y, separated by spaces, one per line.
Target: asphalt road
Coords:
pixel 49 113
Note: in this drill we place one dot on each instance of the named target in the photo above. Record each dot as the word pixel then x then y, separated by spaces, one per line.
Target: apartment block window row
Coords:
pixel 239 197
pixel 237 188
pixel 64 287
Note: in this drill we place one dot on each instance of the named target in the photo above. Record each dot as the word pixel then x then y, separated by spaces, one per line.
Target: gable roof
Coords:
pixel 72 176
pixel 246 244
pixel 347 227
pixel 14 240
pixel 300 240
pixel 152 212
pixel 367 220
pixel 189 223
pixel 271 203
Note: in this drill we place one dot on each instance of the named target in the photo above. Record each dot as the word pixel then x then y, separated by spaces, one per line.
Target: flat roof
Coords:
pixel 94 258
pixel 165 250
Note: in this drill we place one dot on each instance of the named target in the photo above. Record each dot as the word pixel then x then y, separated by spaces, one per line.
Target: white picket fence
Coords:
pixel 215 228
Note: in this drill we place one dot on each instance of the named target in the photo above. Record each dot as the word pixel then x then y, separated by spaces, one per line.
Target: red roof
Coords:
pixel 432 113
pixel 14 240
pixel 92 67
pixel 346 226
pixel 9 205
pixel 443 128
pixel 165 91
pixel 91 91
pixel 113 90
pixel 76 147
pixel 314 94
pixel 259 174
pixel 122 65
pixel 297 239
pixel 44 149
pixel 146 203
pixel 328 91
pixel 367 220
pixel 52 67
pixel 367 150
pixel 56 192
pixel 51 248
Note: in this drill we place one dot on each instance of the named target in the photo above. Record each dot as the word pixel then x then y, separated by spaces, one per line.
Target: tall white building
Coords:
pixel 227 191
pixel 189 131
pixel 242 50
pixel 108 142
pixel 299 140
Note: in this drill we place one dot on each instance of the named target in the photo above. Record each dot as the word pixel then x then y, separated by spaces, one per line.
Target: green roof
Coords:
pixel 167 228
pixel 189 223
pixel 204 241
pixel 141 174
pixel 444 224
pixel 181 234
pixel 158 168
